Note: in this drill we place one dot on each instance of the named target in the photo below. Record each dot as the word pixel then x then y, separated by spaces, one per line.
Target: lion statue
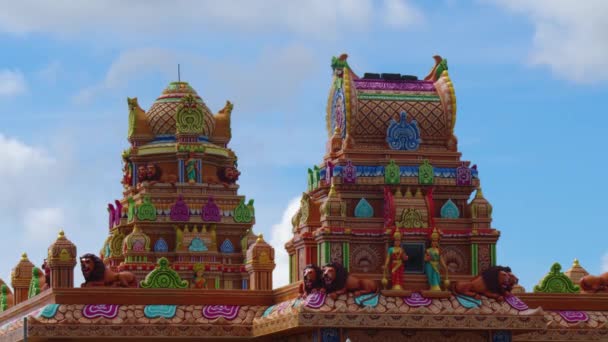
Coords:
pixel 96 274
pixel 337 281
pixel 594 284
pixel 228 175
pixel 495 282
pixel 311 280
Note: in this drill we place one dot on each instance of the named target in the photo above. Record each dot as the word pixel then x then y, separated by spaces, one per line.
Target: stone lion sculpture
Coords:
pixel 311 280
pixel 594 284
pixel 495 282
pixel 96 274
pixel 337 281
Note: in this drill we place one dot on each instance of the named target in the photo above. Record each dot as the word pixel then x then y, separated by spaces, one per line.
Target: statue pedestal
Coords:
pixel 396 293
pixel 436 294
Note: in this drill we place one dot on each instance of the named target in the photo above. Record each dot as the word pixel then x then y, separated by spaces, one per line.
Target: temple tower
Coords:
pixel 21 277
pixel 392 163
pixel 260 264
pixel 181 198
pixel 61 260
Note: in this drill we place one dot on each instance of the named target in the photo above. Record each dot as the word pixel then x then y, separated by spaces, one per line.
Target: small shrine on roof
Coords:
pixel 393 238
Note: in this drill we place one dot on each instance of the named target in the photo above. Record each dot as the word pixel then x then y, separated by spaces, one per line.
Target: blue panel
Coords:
pixel 501 336
pixel 330 335
pixel 161 246
pixel 403 135
pixel 227 247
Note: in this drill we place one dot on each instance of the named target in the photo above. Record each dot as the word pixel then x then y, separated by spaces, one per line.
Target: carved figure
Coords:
pixel 96 274
pixel 495 282
pixel 433 262
pixel 337 281
pixel 153 173
pixel 395 263
pixel 594 284
pixel 47 276
pixel 191 169
pixel 127 174
pixel 199 280
pixel 142 174
pixel 228 175
pixel 311 280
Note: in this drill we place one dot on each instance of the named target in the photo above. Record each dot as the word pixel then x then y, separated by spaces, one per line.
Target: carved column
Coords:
pixel 62 260
pixel 260 264
pixel 20 279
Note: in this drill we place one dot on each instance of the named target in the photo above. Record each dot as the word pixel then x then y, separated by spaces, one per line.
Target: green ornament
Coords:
pixel 163 277
pixel 556 282
pixel 310 179
pixel 34 284
pixel 392 174
pixel 189 117
pixel 443 66
pixel 250 206
pixel 132 115
pixel 316 177
pixel 3 297
pixel 131 209
pixel 146 211
pixel 242 214
pixel 426 173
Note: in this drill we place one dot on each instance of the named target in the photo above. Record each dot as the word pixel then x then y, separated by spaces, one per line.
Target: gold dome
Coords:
pixel 163 113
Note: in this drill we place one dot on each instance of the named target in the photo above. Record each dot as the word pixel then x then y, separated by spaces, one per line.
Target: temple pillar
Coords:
pixel 474 259
pixel 21 277
pixel 62 260
pixel 260 264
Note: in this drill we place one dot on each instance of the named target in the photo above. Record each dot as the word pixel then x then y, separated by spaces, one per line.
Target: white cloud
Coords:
pixel 12 83
pixel 318 18
pixel 42 224
pixel 401 14
pixel 281 233
pixel 571 37
pixel 605 263
pixel 241 80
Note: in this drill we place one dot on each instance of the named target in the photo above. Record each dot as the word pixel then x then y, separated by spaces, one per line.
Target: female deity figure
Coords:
pixel 191 169
pixel 396 258
pixel 433 260
pixel 199 281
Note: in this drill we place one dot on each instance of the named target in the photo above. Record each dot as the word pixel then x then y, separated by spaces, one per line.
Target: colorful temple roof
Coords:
pixel 393 239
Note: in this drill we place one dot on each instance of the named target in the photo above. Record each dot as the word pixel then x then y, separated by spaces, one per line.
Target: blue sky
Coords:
pixel 530 81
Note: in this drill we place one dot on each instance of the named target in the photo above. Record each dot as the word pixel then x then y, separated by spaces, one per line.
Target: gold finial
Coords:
pixel 260 238
pixel 575 263
pixel 332 189
pixel 479 194
pixel 408 193
pixel 24 256
pixel 61 234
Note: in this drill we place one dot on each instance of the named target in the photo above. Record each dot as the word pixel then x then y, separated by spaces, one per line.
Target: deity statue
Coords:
pixel 199 281
pixel 191 169
pixel 395 258
pixel 127 174
pixel 142 173
pixel 433 261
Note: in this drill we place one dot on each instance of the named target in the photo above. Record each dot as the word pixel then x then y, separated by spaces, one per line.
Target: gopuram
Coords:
pixel 393 239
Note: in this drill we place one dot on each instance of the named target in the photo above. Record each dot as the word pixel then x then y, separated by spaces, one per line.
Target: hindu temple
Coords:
pixel 393 239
